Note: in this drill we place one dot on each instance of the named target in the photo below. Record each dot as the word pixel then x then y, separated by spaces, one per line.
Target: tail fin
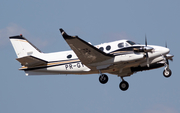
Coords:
pixel 23 47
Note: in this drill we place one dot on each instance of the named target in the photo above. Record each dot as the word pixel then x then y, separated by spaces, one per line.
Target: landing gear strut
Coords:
pixel 123 85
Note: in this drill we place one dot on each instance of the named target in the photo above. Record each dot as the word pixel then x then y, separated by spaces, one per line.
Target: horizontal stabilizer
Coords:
pixel 31 61
pixel 87 53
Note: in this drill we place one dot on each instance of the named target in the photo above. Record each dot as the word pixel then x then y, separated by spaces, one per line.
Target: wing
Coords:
pixel 30 61
pixel 87 53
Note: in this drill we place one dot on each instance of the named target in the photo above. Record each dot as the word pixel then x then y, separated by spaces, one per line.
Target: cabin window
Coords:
pixel 69 56
pixel 108 47
pixel 120 45
pixel 101 48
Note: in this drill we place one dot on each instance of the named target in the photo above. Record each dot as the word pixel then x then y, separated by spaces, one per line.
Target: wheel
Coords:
pixel 167 73
pixel 103 78
pixel 124 85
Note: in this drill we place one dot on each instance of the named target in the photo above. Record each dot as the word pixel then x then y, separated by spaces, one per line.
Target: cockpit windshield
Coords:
pixel 131 42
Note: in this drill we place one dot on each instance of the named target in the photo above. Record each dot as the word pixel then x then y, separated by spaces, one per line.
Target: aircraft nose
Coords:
pixel 161 50
pixel 165 50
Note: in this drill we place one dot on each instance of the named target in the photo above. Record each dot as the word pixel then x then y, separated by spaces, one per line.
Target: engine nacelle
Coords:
pixel 152 66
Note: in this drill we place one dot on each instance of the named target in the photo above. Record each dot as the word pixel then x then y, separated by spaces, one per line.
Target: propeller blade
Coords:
pixel 145 40
pixel 147 59
pixel 147 50
pixel 168 56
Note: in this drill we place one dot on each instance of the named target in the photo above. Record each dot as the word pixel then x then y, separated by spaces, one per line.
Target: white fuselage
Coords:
pixel 66 62
pixel 121 58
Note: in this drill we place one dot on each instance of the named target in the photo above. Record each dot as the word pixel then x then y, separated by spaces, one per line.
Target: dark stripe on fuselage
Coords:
pixel 63 60
pixel 51 64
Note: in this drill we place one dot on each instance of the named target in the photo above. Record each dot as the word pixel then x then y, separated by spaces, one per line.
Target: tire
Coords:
pixel 124 85
pixel 167 73
pixel 103 79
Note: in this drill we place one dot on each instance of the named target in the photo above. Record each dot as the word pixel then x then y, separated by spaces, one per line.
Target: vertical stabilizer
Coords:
pixel 23 47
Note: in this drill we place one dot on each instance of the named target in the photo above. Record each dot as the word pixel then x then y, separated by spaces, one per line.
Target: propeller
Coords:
pixel 147 56
pixel 168 56
pixel 145 49
pixel 167 61
pixel 145 40
pixel 166 45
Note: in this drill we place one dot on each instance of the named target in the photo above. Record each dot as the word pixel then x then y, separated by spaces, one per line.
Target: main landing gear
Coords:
pixel 103 79
pixel 123 85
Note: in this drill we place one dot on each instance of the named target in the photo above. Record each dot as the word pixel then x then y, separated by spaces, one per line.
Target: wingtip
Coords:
pixel 61 30
pixel 65 35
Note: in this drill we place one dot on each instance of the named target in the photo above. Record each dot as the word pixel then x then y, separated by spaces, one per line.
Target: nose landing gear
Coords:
pixel 167 72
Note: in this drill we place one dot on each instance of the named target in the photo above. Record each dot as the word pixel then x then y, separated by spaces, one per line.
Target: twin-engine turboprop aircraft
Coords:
pixel 121 58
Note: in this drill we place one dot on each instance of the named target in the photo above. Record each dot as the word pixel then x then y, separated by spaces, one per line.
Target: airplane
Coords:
pixel 122 58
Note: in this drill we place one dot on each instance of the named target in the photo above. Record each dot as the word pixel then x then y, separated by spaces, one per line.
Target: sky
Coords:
pixel 95 21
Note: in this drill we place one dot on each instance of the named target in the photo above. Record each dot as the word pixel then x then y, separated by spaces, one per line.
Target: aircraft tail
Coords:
pixel 23 47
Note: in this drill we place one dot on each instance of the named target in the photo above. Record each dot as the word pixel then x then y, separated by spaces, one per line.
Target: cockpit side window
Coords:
pixel 120 45
pixel 127 44
pixel 131 42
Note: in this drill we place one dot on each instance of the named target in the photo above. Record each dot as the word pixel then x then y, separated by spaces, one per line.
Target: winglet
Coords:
pixel 65 35
pixel 62 31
